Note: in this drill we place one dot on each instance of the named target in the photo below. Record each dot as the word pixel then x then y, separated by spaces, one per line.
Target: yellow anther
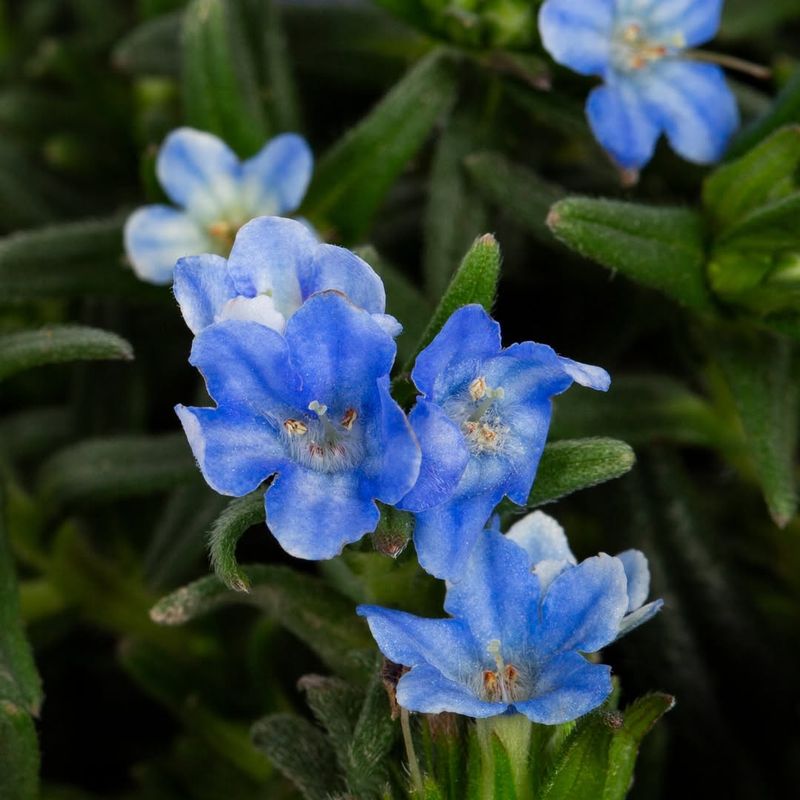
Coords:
pixel 350 416
pixel 477 389
pixel 294 427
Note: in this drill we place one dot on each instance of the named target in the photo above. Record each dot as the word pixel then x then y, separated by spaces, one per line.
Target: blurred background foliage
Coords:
pixel 433 121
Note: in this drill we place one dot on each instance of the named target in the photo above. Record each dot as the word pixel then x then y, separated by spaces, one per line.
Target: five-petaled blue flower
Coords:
pixel 311 408
pixel 275 265
pixel 482 423
pixel 216 194
pixel 639 47
pixel 513 642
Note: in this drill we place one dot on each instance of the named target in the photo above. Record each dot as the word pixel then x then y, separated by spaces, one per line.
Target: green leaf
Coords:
pixel 661 248
pixel 574 464
pixel 20 688
pixel 637 721
pixel 474 282
pixel 353 177
pixel 57 344
pixel 760 371
pixel 518 191
pixel 769 227
pixel 763 175
pixel 503 777
pixel 220 89
pixel 304 605
pixel 455 213
pixel 110 468
pixel 151 48
pixel 19 753
pixel 301 752
pixel 239 516
pixel 73 259
pixel 785 111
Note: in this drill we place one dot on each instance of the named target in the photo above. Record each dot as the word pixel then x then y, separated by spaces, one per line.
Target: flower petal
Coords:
pixel 246 365
pixel 156 237
pixel 275 180
pixel 444 456
pixel 200 173
pixel 694 21
pixel 444 644
pixel 542 538
pixel 468 337
pixel 339 350
pixel 578 34
pixel 314 515
pixel 202 287
pixel 584 606
pixel 268 256
pixel 694 106
pixel 259 309
pixel 426 690
pixel 334 267
pixel 235 451
pixel 567 687
pixel 639 617
pixel 497 595
pixel 586 374
pixel 637 574
pixel 622 124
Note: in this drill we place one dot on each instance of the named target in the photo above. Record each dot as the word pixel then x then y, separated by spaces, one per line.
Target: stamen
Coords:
pixel 320 409
pixel 224 231
pixel 489 396
pixel 294 427
pixel 730 62
pixel 477 389
pixel 350 416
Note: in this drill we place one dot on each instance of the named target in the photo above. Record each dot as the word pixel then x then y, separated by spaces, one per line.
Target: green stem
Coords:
pixel 411 755
pixel 514 732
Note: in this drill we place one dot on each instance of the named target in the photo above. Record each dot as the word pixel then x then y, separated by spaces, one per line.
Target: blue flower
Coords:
pixel 545 542
pixel 512 644
pixel 482 423
pixel 275 265
pixel 311 408
pixel 215 194
pixel 651 87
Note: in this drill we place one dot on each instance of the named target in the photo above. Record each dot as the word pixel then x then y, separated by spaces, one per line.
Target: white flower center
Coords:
pixel 505 683
pixel 632 48
pixel 322 444
pixel 479 418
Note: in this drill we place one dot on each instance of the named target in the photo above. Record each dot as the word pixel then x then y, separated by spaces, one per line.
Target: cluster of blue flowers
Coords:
pixel 296 349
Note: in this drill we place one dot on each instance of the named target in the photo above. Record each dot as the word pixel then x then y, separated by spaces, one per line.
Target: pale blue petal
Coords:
pixel 388 323
pixel 465 340
pixel 445 644
pixel 235 451
pixel 444 456
pixel 639 617
pixel 694 106
pixel 335 267
pixel 567 687
pixel 338 350
pixel 694 21
pixel 622 124
pixel 202 287
pixel 427 691
pixel 247 366
pixel 637 574
pixel 584 606
pixel 268 256
pixel 398 450
pixel 577 33
pixel 275 180
pixel 156 237
pixel 586 374
pixel 314 515
pixel 542 538
pixel 497 595
pixel 200 173
pixel 548 570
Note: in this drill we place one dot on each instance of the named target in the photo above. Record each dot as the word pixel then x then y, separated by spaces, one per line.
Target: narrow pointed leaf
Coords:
pixel 518 191
pixel 763 175
pixel 353 177
pixel 110 468
pixel 57 344
pixel 220 89
pixel 769 227
pixel 759 369
pixel 574 464
pixel 304 605
pixel 661 248
pixel 239 516
pixel 152 48
pixel 19 753
pixel 301 752
pixel 474 282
